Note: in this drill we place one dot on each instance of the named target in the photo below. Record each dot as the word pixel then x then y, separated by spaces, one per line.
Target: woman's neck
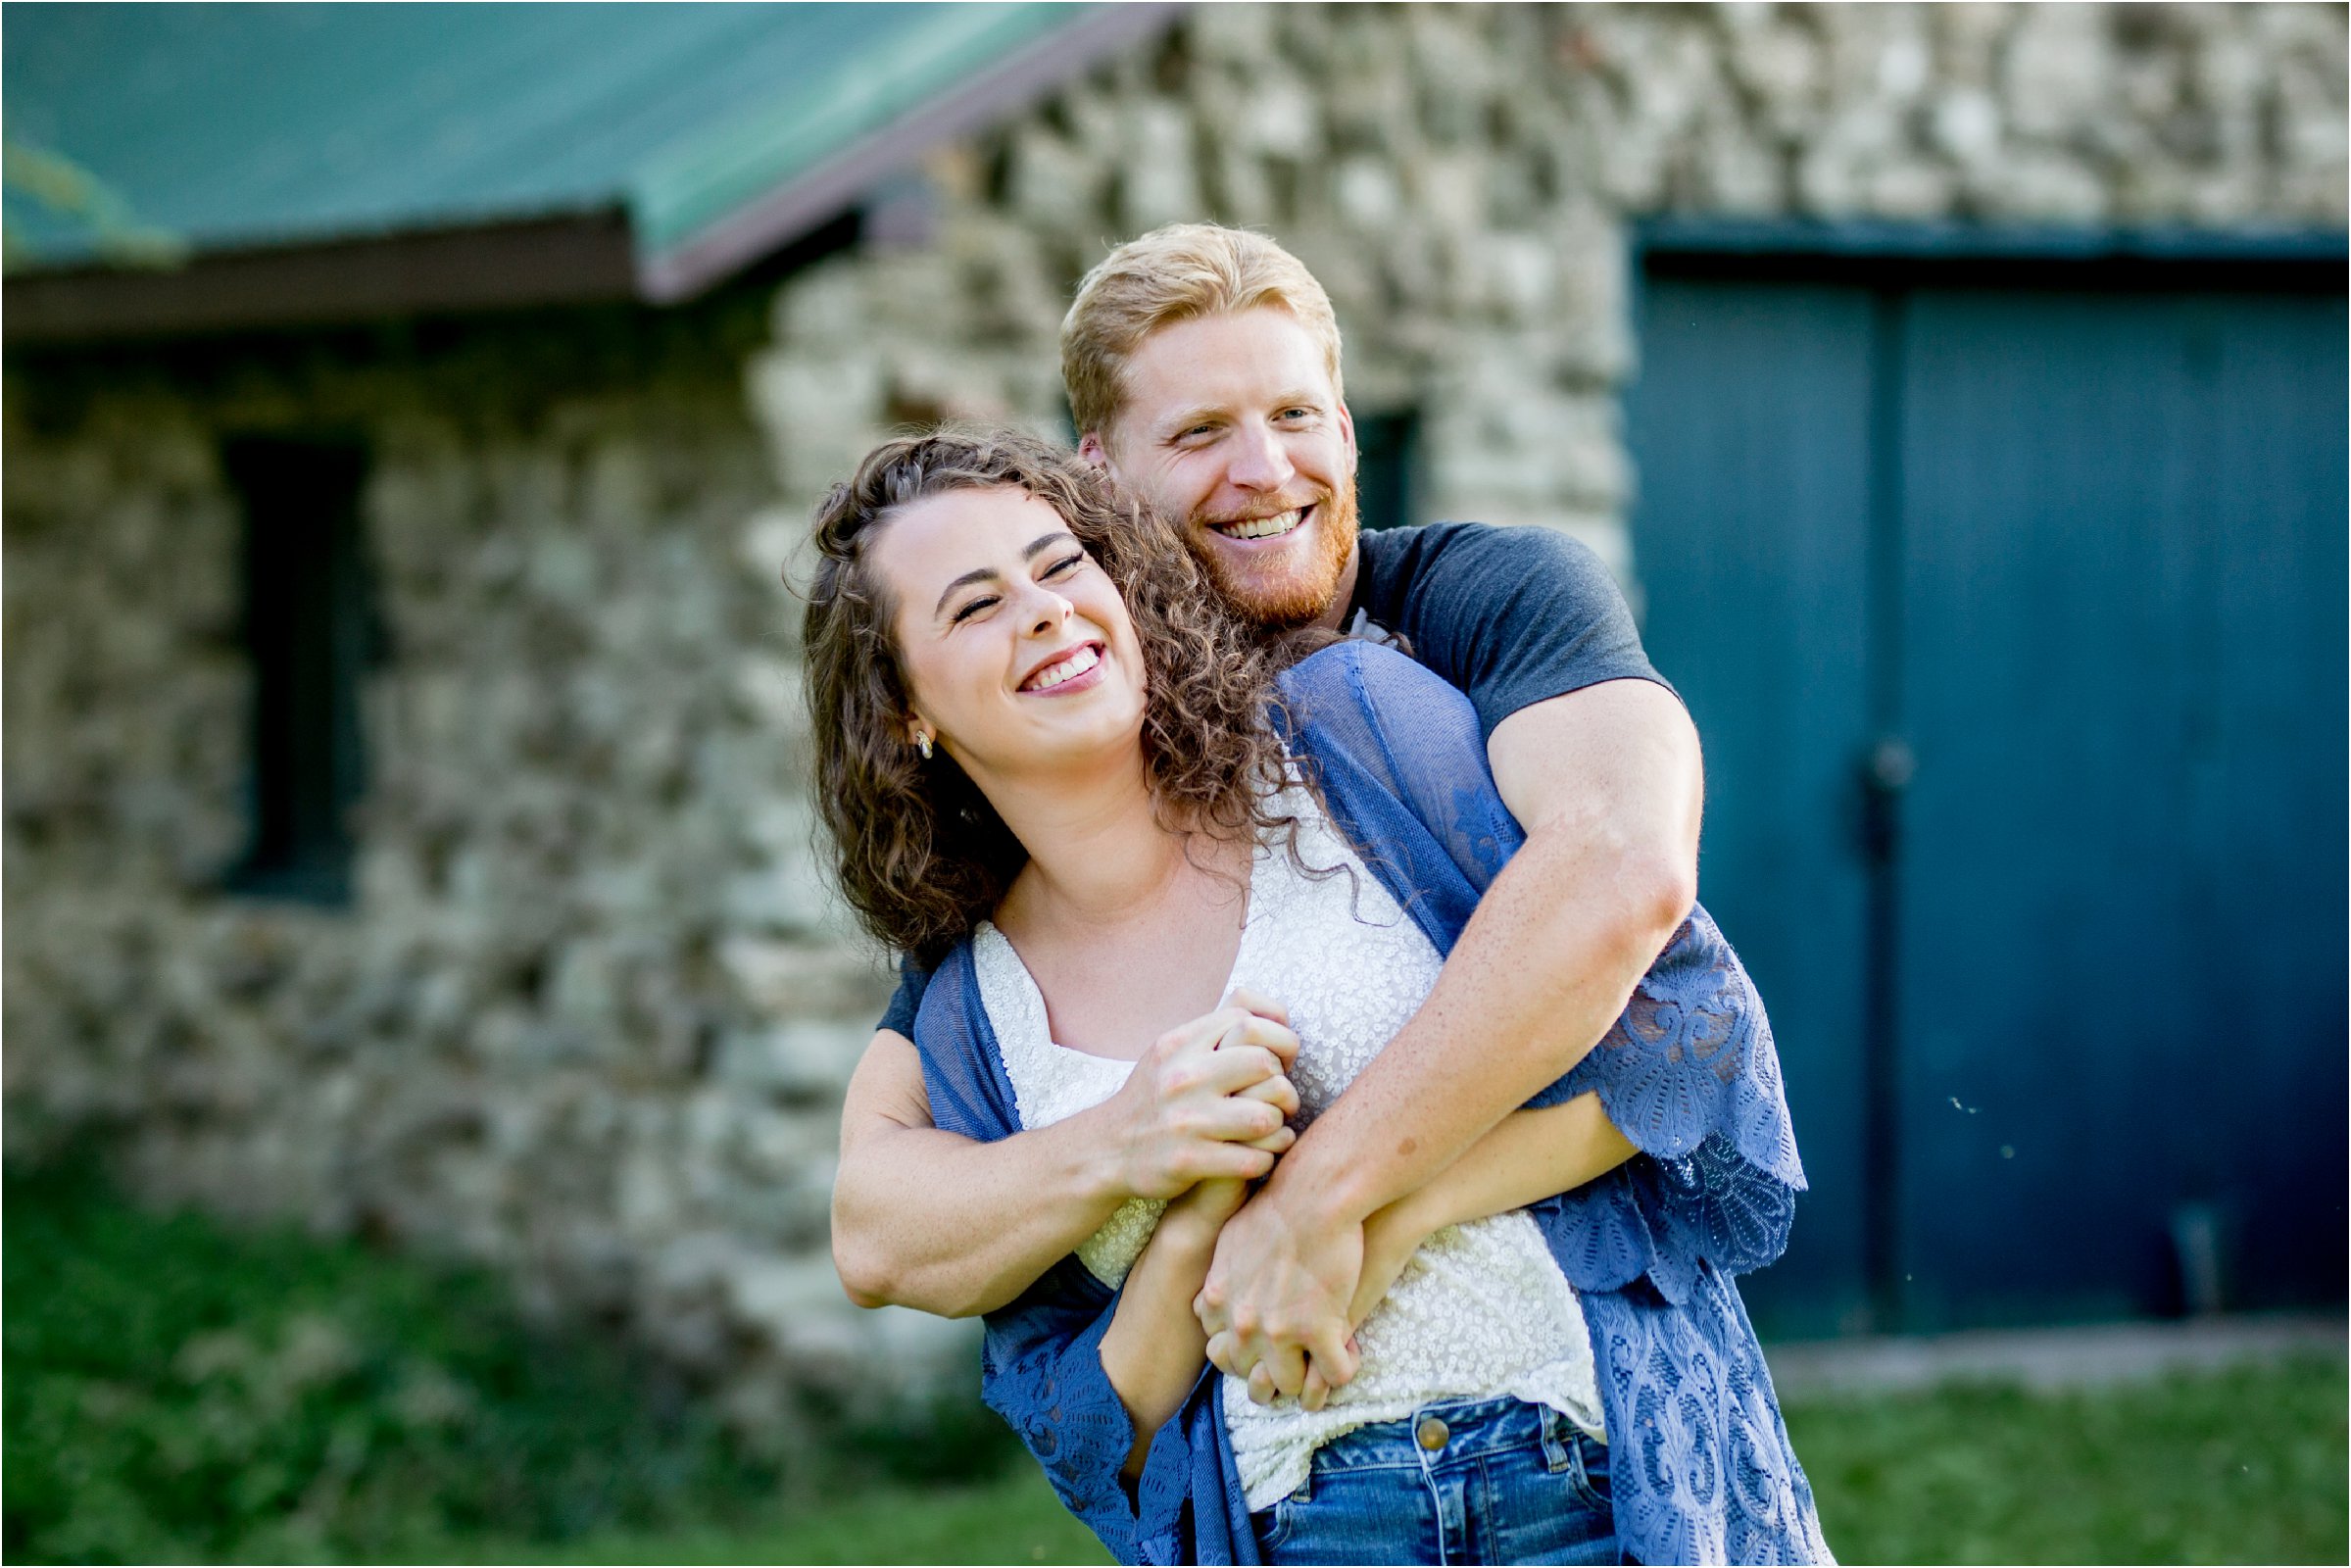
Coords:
pixel 1097 856
pixel 1127 927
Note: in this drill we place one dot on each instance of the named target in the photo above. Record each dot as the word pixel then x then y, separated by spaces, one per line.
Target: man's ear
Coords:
pixel 1091 451
pixel 1346 431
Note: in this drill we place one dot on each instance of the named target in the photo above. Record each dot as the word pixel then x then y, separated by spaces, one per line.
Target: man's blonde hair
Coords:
pixel 1174 275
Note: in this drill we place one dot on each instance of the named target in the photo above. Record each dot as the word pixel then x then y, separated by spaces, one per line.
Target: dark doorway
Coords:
pixel 2011 611
pixel 1387 469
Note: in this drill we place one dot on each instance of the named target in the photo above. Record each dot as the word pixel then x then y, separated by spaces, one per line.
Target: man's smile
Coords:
pixel 1270 527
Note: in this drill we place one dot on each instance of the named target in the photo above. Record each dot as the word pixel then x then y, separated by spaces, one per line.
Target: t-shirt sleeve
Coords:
pixel 906 1001
pixel 1509 616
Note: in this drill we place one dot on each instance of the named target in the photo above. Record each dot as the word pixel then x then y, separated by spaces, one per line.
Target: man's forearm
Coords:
pixel 928 1219
pixel 1540 975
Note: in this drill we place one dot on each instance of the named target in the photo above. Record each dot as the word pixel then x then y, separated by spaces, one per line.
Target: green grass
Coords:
pixel 2241 1466
pixel 176 1389
pixel 1014 1519
pixel 179 1390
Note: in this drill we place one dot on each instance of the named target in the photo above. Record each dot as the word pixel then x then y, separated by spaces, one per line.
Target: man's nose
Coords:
pixel 1259 461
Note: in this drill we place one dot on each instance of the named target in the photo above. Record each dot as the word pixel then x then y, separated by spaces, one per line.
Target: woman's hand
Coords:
pixel 1209 1101
pixel 1199 1214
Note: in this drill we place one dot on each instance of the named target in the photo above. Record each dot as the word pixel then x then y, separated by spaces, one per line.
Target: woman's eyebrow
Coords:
pixel 1042 542
pixel 976 574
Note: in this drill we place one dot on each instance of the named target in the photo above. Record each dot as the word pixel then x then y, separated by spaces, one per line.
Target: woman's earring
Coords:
pixel 922 743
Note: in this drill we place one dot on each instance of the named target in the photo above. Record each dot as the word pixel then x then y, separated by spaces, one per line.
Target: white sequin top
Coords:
pixel 1480 1311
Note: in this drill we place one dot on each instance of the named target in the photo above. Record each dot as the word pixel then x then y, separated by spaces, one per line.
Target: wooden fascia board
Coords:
pixel 582 258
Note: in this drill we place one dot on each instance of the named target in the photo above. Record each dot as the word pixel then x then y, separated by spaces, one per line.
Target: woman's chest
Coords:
pixel 1347 962
pixel 1113 990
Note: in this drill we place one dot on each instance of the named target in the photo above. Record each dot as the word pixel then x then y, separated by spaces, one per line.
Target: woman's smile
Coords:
pixel 1065 674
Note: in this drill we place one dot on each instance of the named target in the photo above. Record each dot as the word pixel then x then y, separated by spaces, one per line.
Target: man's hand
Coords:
pixel 1211 1100
pixel 1389 1239
pixel 1278 1293
pixel 927 1219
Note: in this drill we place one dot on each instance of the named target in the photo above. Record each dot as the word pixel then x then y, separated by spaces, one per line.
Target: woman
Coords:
pixel 1045 758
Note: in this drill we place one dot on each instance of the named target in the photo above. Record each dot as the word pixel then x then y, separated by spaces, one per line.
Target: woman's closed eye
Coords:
pixel 978 604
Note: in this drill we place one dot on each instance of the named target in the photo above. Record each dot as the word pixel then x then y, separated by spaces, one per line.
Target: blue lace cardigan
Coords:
pixel 1702 1470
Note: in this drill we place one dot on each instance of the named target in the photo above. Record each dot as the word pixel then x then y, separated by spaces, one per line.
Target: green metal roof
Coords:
pixel 232 126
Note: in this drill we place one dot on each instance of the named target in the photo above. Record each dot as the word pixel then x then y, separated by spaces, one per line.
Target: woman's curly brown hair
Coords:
pixel 921 856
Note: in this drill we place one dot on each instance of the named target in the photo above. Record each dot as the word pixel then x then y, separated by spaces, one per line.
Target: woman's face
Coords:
pixel 1017 651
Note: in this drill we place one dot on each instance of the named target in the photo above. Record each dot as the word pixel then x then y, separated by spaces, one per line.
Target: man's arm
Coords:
pixel 1606 782
pixel 930 1219
pixel 1530 1155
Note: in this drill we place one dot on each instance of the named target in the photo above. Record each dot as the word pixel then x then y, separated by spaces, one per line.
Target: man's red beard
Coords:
pixel 1296 597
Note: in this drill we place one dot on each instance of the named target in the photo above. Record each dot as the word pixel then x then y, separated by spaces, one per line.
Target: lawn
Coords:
pixel 179 1390
pixel 2246 1466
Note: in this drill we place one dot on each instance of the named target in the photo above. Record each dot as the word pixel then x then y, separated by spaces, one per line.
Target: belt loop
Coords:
pixel 1558 1444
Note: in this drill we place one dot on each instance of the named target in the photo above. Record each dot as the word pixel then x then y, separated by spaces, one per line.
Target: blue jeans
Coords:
pixel 1505 1482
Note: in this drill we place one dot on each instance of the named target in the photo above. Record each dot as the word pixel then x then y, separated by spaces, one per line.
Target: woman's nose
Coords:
pixel 1048 613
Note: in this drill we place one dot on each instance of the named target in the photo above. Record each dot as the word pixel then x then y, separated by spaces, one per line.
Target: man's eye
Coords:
pixel 972 608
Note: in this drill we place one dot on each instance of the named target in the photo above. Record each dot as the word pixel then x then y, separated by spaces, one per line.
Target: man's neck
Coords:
pixel 1334 615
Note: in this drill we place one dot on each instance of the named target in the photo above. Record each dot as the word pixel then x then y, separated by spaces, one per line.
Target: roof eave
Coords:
pixel 811 199
pixel 582 258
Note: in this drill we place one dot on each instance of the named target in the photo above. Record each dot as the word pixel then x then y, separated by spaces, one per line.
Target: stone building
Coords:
pixel 407 828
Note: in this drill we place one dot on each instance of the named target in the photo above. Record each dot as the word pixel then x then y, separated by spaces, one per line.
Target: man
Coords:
pixel 1203 371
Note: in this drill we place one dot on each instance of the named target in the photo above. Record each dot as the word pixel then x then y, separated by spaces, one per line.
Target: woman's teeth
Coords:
pixel 1051 676
pixel 1280 522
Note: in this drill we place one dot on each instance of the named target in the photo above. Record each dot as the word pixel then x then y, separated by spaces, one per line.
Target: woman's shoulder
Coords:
pixel 1362 682
pixel 1367 669
pixel 962 1066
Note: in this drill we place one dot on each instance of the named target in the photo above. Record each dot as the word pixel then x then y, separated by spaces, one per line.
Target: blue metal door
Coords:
pixel 2013 621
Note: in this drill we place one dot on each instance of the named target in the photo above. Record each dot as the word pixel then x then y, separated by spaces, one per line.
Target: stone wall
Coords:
pixel 588 1016
pixel 1462 178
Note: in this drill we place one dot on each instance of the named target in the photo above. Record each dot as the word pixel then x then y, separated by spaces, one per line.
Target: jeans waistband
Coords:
pixel 1474 1428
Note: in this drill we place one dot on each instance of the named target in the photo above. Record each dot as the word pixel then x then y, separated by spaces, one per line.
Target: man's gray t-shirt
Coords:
pixel 1509 616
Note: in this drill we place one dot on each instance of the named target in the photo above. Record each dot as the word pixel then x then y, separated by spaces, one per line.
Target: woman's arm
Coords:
pixel 1154 1350
pixel 1530 1156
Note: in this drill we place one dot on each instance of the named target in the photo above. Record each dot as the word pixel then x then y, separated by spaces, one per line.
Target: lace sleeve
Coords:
pixel 1690 1075
pixel 1042 1371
